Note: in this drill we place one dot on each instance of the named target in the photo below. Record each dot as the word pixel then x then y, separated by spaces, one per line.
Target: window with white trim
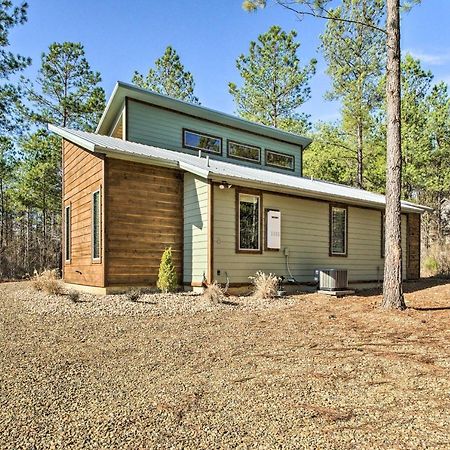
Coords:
pixel 249 222
pixel 338 231
pixel 96 225
pixel 67 233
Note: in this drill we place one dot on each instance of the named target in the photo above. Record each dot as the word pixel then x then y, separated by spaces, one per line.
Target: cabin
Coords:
pixel 227 195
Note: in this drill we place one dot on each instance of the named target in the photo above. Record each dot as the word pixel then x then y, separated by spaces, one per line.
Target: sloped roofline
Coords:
pixel 125 90
pixel 226 171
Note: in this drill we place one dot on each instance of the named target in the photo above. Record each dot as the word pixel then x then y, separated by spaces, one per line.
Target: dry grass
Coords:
pixel 437 260
pixel 314 373
pixel 265 285
pixel 48 281
pixel 214 293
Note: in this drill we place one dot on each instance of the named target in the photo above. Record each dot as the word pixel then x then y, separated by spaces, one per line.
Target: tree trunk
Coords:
pixel 359 154
pixel 392 287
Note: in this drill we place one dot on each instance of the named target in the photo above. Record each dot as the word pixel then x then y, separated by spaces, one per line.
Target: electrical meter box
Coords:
pixel 273 230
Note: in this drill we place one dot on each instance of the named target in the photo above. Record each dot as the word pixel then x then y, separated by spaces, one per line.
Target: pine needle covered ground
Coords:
pixel 302 372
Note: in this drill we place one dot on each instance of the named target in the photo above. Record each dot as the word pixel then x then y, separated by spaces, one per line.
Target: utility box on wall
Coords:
pixel 273 230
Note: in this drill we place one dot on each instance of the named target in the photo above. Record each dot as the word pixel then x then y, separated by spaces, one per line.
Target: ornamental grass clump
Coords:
pixel 167 276
pixel 47 281
pixel 264 285
pixel 214 293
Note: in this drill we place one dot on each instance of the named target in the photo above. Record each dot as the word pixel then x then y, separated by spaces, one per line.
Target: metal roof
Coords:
pixel 124 90
pixel 225 171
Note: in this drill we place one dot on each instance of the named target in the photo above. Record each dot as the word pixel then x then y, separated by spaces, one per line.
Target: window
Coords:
pixel 280 160
pixel 243 151
pixel 249 223
pixel 96 225
pixel 383 234
pixel 338 231
pixel 67 231
pixel 201 141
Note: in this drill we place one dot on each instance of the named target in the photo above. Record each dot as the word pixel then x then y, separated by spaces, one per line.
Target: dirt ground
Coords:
pixel 302 372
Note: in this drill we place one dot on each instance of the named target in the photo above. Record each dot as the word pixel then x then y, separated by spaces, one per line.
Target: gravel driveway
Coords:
pixel 175 372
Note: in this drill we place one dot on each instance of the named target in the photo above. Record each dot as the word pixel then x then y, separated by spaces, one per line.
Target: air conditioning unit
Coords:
pixel 333 280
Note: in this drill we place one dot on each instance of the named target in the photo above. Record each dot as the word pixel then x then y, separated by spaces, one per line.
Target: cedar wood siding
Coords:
pixel 144 215
pixel 305 231
pixel 82 175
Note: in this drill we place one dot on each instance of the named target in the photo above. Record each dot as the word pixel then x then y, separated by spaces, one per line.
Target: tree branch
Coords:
pixel 328 16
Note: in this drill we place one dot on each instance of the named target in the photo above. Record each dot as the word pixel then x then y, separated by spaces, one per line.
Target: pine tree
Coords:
pixel 392 287
pixel 69 94
pixel 274 84
pixel 11 125
pixel 416 86
pixel 168 77
pixel 167 276
pixel 354 53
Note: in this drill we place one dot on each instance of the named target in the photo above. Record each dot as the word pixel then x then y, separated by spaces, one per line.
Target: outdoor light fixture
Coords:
pixel 224 185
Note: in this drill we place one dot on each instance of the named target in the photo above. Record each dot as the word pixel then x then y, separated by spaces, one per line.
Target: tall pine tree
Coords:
pixel 168 77
pixel 354 53
pixel 68 92
pixel 274 83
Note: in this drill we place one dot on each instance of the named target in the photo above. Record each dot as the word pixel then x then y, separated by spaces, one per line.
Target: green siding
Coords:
pixel 163 128
pixel 195 228
pixel 305 231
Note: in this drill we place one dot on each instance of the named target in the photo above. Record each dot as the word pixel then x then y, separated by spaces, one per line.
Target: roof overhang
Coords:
pixel 122 91
pixel 209 169
pixel 407 207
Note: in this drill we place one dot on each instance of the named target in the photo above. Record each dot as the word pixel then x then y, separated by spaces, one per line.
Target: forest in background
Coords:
pixel 274 84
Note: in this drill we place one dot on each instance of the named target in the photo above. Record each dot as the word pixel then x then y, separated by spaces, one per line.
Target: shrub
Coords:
pixel 214 293
pixel 431 264
pixel 133 295
pixel 437 260
pixel 167 276
pixel 47 281
pixel 74 295
pixel 265 286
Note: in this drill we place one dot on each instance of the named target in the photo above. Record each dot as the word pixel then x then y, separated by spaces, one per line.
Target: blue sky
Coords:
pixel 123 36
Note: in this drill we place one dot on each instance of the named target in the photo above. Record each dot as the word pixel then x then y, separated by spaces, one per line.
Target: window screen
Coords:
pixel 249 222
pixel 96 227
pixel 338 232
pixel 281 160
pixel 199 141
pixel 67 233
pixel 243 151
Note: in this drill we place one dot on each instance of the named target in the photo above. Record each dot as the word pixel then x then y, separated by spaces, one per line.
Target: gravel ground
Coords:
pixel 306 371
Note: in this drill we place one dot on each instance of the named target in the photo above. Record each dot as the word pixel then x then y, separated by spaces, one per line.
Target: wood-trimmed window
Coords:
pixel 245 152
pixel 96 226
pixel 248 222
pixel 338 230
pixel 280 160
pixel 383 234
pixel 67 233
pixel 195 140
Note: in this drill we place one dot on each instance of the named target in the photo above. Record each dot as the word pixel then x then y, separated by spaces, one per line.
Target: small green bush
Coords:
pixel 431 264
pixel 167 277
